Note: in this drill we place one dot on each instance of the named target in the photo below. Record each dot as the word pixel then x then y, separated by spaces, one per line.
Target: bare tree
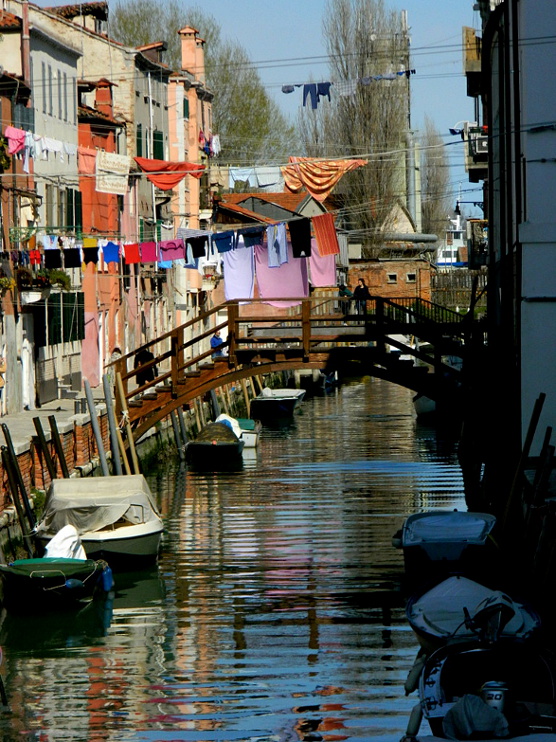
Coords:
pixel 250 125
pixel 368 46
pixel 434 181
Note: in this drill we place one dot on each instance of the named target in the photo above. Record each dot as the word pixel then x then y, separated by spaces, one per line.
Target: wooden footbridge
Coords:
pixel 318 333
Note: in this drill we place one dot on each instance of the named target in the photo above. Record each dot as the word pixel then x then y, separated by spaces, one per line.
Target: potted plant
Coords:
pixel 58 277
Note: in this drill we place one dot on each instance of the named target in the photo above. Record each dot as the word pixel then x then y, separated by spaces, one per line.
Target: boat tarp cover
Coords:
pixel 54 567
pixel 217 431
pixel 441 612
pixel 449 526
pixel 230 422
pixel 93 503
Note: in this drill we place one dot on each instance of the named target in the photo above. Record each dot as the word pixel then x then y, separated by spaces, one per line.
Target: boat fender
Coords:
pixel 107 579
pixel 397 539
pixel 72 583
pixel 412 680
pixel 414 724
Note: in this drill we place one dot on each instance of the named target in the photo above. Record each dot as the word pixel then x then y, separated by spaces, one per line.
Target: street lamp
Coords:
pixel 457 210
pixel 456 130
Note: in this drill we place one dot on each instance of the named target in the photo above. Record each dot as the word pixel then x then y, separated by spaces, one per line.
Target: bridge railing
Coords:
pixel 302 324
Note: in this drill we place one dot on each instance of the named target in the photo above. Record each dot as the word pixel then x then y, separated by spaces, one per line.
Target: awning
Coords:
pixel 165 174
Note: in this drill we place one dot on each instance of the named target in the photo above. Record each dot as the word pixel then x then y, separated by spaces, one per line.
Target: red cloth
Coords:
pixel 318 176
pixel 166 175
pixel 325 233
pixel 132 255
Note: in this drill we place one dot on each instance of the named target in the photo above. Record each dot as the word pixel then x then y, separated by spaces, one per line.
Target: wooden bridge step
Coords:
pixel 150 395
pixel 190 375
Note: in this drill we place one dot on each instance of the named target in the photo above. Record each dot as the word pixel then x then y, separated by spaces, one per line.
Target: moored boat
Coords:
pixel 245 429
pixel 459 609
pixel 53 582
pixel 488 692
pixel 272 404
pixel 439 543
pixel 116 517
pixel 216 447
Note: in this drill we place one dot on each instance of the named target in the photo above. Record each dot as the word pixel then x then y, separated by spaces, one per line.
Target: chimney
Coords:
pixel 103 97
pixel 192 53
pixel 25 43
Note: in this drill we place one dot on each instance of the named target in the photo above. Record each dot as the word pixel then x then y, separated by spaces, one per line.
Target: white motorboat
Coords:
pixel 116 517
pixel 275 403
pixel 459 609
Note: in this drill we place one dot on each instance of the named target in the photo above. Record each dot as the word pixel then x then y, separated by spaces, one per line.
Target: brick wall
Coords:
pixel 78 444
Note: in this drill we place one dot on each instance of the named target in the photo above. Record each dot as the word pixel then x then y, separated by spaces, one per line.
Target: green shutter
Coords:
pixel 139 140
pixel 186 107
pixel 158 145
pixel 54 310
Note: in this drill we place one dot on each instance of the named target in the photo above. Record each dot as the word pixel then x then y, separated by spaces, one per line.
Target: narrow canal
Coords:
pixel 276 612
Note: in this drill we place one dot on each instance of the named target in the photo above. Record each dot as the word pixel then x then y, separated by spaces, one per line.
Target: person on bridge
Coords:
pixel 215 343
pixel 346 294
pixel 148 374
pixel 361 296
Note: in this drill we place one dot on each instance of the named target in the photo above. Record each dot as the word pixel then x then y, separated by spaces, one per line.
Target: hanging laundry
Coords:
pixel 90 254
pixel 198 246
pixel 318 176
pixel 190 261
pixel 52 259
pixel 310 92
pixel 148 252
pixel 325 233
pixel 322 269
pixel 16 139
pixel 35 257
pixel 172 249
pixel 277 245
pixel 281 285
pixel 131 253
pixel 242 174
pixel 239 272
pixel 166 175
pixel 251 236
pixel 215 145
pixel 315 91
pixel 86 160
pixel 223 241
pixel 49 241
pixel 111 252
pixel 300 236
pixel 345 88
pixel 323 90
pixel 72 257
pixel 90 242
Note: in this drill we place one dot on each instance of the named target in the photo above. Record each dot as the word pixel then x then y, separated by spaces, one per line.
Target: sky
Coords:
pixel 285 42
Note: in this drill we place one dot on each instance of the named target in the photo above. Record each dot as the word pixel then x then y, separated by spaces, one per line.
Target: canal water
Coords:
pixel 276 611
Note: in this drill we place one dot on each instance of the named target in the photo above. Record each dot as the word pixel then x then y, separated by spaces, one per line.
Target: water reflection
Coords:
pixel 276 612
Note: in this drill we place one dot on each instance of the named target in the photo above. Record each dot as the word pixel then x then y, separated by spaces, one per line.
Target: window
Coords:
pixel 411 277
pixel 65 96
pixel 186 107
pixel 392 278
pixel 139 140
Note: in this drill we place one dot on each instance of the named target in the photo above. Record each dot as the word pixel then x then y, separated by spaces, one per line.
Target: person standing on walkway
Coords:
pixel 361 295
pixel 215 343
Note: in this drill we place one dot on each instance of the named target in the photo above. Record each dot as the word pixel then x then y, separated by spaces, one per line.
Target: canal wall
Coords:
pixel 80 451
